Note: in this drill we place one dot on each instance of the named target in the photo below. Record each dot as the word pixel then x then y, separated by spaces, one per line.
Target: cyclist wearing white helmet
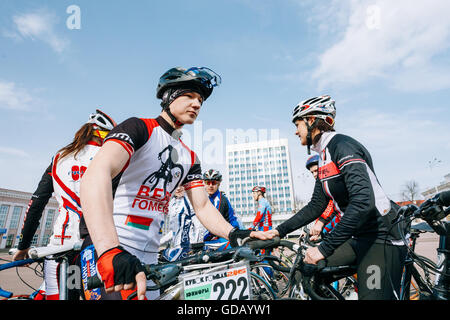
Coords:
pixel 63 178
pixel 143 161
pixel 366 234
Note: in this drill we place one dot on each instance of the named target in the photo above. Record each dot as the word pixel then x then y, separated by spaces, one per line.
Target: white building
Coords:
pixel 13 206
pixel 262 163
pixel 443 186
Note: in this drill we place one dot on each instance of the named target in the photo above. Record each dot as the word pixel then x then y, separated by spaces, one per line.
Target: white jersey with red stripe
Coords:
pixel 66 175
pixel 159 163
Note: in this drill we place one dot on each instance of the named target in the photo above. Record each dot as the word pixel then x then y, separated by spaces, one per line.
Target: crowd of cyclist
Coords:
pixel 136 172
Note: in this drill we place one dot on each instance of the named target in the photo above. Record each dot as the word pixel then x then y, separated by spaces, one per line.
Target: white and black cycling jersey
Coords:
pixel 346 176
pixel 62 178
pixel 159 163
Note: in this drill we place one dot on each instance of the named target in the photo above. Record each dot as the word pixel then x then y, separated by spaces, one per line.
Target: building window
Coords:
pixel 15 218
pixel 3 213
pixel 9 240
pixel 35 240
pixel 49 220
pixel 45 239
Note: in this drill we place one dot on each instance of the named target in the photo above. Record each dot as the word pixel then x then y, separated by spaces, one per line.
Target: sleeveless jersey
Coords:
pixel 159 163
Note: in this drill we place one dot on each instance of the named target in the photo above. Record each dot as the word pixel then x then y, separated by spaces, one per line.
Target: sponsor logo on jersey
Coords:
pixel 120 136
pixel 169 173
pixel 152 200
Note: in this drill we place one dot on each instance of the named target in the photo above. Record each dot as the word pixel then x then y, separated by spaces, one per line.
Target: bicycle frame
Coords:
pixel 411 272
pixel 432 211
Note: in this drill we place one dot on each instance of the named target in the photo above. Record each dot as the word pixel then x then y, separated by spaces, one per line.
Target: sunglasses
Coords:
pixel 208 77
pixel 211 182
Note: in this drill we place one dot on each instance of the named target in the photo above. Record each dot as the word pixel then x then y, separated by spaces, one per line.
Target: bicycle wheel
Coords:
pixel 261 290
pixel 278 280
pixel 418 286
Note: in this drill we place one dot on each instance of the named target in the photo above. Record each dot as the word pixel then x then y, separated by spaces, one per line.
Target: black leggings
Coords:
pixel 379 267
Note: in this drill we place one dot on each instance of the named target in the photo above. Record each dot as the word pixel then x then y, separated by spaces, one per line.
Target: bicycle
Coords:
pixel 432 212
pixel 207 275
pixel 38 255
pixel 274 267
pixel 316 279
pixel 418 285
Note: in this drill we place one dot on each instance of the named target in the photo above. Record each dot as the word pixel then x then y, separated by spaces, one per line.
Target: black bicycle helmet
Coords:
pixel 202 80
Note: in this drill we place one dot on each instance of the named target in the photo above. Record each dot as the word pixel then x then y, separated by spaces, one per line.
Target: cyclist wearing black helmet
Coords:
pixel 366 234
pixel 143 161
pixel 212 179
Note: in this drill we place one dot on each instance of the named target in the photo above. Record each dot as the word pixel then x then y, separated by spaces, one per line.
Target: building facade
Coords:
pixel 262 163
pixel 13 206
pixel 443 186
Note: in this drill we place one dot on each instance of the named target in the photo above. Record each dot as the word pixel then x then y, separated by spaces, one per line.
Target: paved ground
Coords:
pixel 9 279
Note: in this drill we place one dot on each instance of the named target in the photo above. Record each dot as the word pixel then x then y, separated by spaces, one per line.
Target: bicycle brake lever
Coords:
pixel 245 253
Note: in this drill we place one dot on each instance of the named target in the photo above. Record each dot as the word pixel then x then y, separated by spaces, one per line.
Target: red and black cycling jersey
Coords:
pixel 159 162
pixel 346 176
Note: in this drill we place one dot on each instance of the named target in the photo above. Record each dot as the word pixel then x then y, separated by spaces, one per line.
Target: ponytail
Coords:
pixel 81 139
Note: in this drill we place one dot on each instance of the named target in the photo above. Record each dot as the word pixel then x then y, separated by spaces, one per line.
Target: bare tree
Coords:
pixel 410 190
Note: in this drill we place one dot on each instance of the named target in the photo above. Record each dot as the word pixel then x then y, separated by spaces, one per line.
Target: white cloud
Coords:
pixel 396 41
pixel 14 152
pixel 40 26
pixel 13 97
pixel 402 144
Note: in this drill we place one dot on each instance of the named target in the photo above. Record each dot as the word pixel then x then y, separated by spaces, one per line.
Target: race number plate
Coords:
pixel 228 284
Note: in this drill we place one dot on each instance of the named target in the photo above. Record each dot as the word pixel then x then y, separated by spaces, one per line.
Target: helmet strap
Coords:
pixel 172 117
pixel 310 128
pixel 168 97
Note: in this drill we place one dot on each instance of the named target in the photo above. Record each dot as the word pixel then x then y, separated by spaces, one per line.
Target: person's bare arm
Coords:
pixel 96 195
pixel 97 204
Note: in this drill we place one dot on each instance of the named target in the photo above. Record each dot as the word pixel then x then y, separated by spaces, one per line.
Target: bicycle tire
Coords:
pixel 261 290
pixel 279 281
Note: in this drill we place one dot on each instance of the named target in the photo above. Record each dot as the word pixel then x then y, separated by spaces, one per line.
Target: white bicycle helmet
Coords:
pixel 212 174
pixel 321 107
pixel 102 120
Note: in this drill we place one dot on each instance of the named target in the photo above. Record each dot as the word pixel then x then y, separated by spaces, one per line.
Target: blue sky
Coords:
pixel 386 63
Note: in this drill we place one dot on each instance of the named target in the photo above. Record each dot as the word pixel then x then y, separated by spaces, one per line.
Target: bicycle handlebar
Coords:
pixel 263 244
pixel 165 273
pixel 432 211
pixel 5 294
pixel 41 252
pixel 17 263
pixel 444 198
